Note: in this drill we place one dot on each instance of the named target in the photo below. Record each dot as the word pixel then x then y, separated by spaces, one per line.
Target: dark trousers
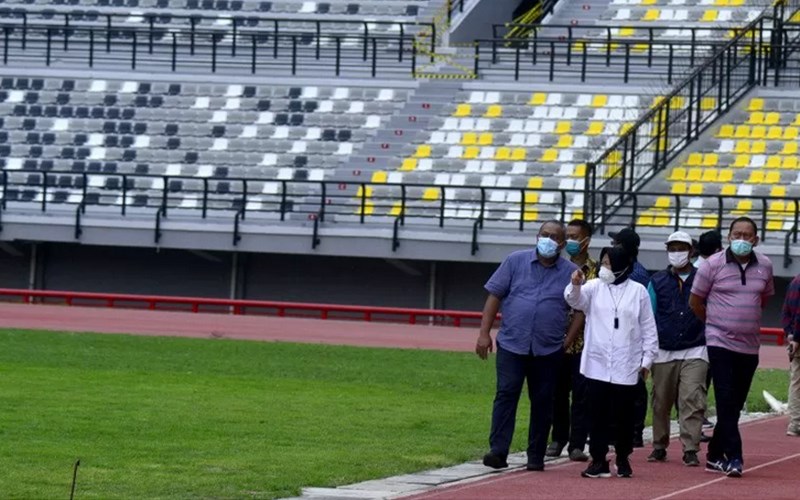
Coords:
pixel 732 373
pixel 512 371
pixel 610 411
pixel 639 407
pixel 569 420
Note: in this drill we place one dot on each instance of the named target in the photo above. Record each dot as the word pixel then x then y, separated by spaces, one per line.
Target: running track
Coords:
pixel 772 460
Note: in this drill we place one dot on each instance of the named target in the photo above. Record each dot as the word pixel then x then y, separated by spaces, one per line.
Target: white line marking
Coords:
pixel 707 483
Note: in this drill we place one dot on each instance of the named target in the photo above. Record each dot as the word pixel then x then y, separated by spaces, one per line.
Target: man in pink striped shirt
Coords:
pixel 729 292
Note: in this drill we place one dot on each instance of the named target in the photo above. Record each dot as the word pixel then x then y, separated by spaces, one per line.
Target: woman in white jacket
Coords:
pixel 620 343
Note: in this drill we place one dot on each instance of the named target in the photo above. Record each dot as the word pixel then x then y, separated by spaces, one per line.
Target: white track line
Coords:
pixel 707 483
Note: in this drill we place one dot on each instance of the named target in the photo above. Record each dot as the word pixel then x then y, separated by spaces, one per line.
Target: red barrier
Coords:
pixel 277 308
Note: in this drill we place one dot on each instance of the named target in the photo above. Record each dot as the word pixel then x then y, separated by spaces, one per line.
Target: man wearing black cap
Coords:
pixel 630 241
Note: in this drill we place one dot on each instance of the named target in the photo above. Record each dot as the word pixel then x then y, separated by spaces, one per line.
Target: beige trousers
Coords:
pixel 686 382
pixel 794 395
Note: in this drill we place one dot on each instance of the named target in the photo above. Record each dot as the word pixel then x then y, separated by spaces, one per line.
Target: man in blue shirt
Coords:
pixel 529 285
pixel 630 241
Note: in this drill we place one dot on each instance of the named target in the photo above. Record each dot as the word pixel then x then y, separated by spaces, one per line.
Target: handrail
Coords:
pixel 203 305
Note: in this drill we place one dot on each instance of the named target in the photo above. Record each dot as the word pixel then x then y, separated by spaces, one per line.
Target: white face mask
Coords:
pixel 606 275
pixel 678 259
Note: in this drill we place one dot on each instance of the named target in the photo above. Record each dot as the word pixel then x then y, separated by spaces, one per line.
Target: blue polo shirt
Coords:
pixel 533 306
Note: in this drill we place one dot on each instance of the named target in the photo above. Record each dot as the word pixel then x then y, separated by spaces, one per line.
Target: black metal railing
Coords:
pixel 611 32
pixel 182 49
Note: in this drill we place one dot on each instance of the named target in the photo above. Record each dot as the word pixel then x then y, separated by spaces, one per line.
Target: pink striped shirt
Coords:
pixel 733 296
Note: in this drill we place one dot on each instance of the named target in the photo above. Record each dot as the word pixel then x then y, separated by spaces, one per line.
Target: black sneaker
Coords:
pixel 690 459
pixel 554 449
pixel 716 465
pixel 624 468
pixel 577 455
pixel 597 469
pixel 657 456
pixel 638 441
pixel 735 468
pixel 494 461
pixel 535 465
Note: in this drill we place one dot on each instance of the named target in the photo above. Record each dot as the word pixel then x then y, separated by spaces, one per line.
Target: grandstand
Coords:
pixel 352 151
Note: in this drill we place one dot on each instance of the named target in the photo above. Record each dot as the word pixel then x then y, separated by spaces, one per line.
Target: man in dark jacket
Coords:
pixel 679 370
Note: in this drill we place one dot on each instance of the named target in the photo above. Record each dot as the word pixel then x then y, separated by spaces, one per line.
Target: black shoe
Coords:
pixel 690 459
pixel 735 468
pixel 624 468
pixel 554 449
pixel 657 456
pixel 597 469
pixel 577 455
pixel 638 441
pixel 716 465
pixel 494 461
pixel 535 465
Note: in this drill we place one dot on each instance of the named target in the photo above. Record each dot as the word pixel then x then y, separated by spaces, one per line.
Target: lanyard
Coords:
pixel 617 302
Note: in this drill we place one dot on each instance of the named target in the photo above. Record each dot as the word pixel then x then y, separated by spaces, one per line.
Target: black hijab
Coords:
pixel 621 262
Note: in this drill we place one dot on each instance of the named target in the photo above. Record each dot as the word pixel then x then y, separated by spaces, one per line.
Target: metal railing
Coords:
pixel 182 49
pixel 610 32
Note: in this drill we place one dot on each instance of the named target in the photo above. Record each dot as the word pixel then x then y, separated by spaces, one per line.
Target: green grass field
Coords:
pixel 179 418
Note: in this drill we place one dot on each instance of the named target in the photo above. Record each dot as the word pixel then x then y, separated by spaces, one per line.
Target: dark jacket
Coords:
pixel 678 327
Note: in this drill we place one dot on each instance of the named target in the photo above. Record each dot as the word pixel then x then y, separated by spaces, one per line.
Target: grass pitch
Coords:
pixel 158 417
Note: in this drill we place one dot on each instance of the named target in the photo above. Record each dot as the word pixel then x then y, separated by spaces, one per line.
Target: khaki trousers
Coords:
pixel 686 382
pixel 794 396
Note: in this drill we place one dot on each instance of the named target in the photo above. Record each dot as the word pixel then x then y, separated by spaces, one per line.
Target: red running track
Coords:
pixel 260 328
pixel 772 460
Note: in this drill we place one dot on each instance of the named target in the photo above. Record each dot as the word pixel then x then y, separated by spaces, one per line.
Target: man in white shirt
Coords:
pixel 680 368
pixel 620 343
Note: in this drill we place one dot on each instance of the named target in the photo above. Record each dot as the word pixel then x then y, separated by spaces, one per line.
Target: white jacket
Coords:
pixel 615 354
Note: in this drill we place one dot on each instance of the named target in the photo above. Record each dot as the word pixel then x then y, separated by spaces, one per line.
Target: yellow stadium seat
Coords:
pixel 790 134
pixel 661 218
pixel 366 193
pixel 531 215
pixel 486 139
pixel 741 147
pixel 463 110
pixel 580 170
pixel 726 132
pixel 710 221
pixel 469 138
pixel 695 188
pixel 710 160
pixel 758 132
pixel 549 155
pixel 645 219
pixel 431 194
pixel 627 31
pixel 741 161
pixel 728 190
pixel 535 183
pixel 563 127
pixel 736 3
pixel 709 16
pixel 503 153
pixel 369 208
pixel 599 101
pixel 538 99
pixel 409 164
pixel 756 118
pixel 790 162
pixel 796 120
pixel 518 154
pixel 790 148
pixel 564 141
pixel 742 132
pixel 725 175
pixel 774 133
pixel 756 104
pixel 471 152
pixel 662 202
pixel 625 127
pixel 758 147
pixel 756 177
pixel 776 206
pixel 423 151
pixel 773 162
pixel 494 111
pixel 710 175
pixel 777 191
pixel 651 15
pixel 379 177
pixel 396 210
pixel 772 177
pixel 708 103
pixel 677 174
pixel 772 118
pixel 695 160
pixel 678 188
pixel 721 3
pixel 595 128
pixel 694 174
pixel 531 198
pixel 774 224
pixel 743 207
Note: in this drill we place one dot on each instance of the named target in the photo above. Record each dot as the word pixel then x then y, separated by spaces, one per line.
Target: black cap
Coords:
pixel 627 238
